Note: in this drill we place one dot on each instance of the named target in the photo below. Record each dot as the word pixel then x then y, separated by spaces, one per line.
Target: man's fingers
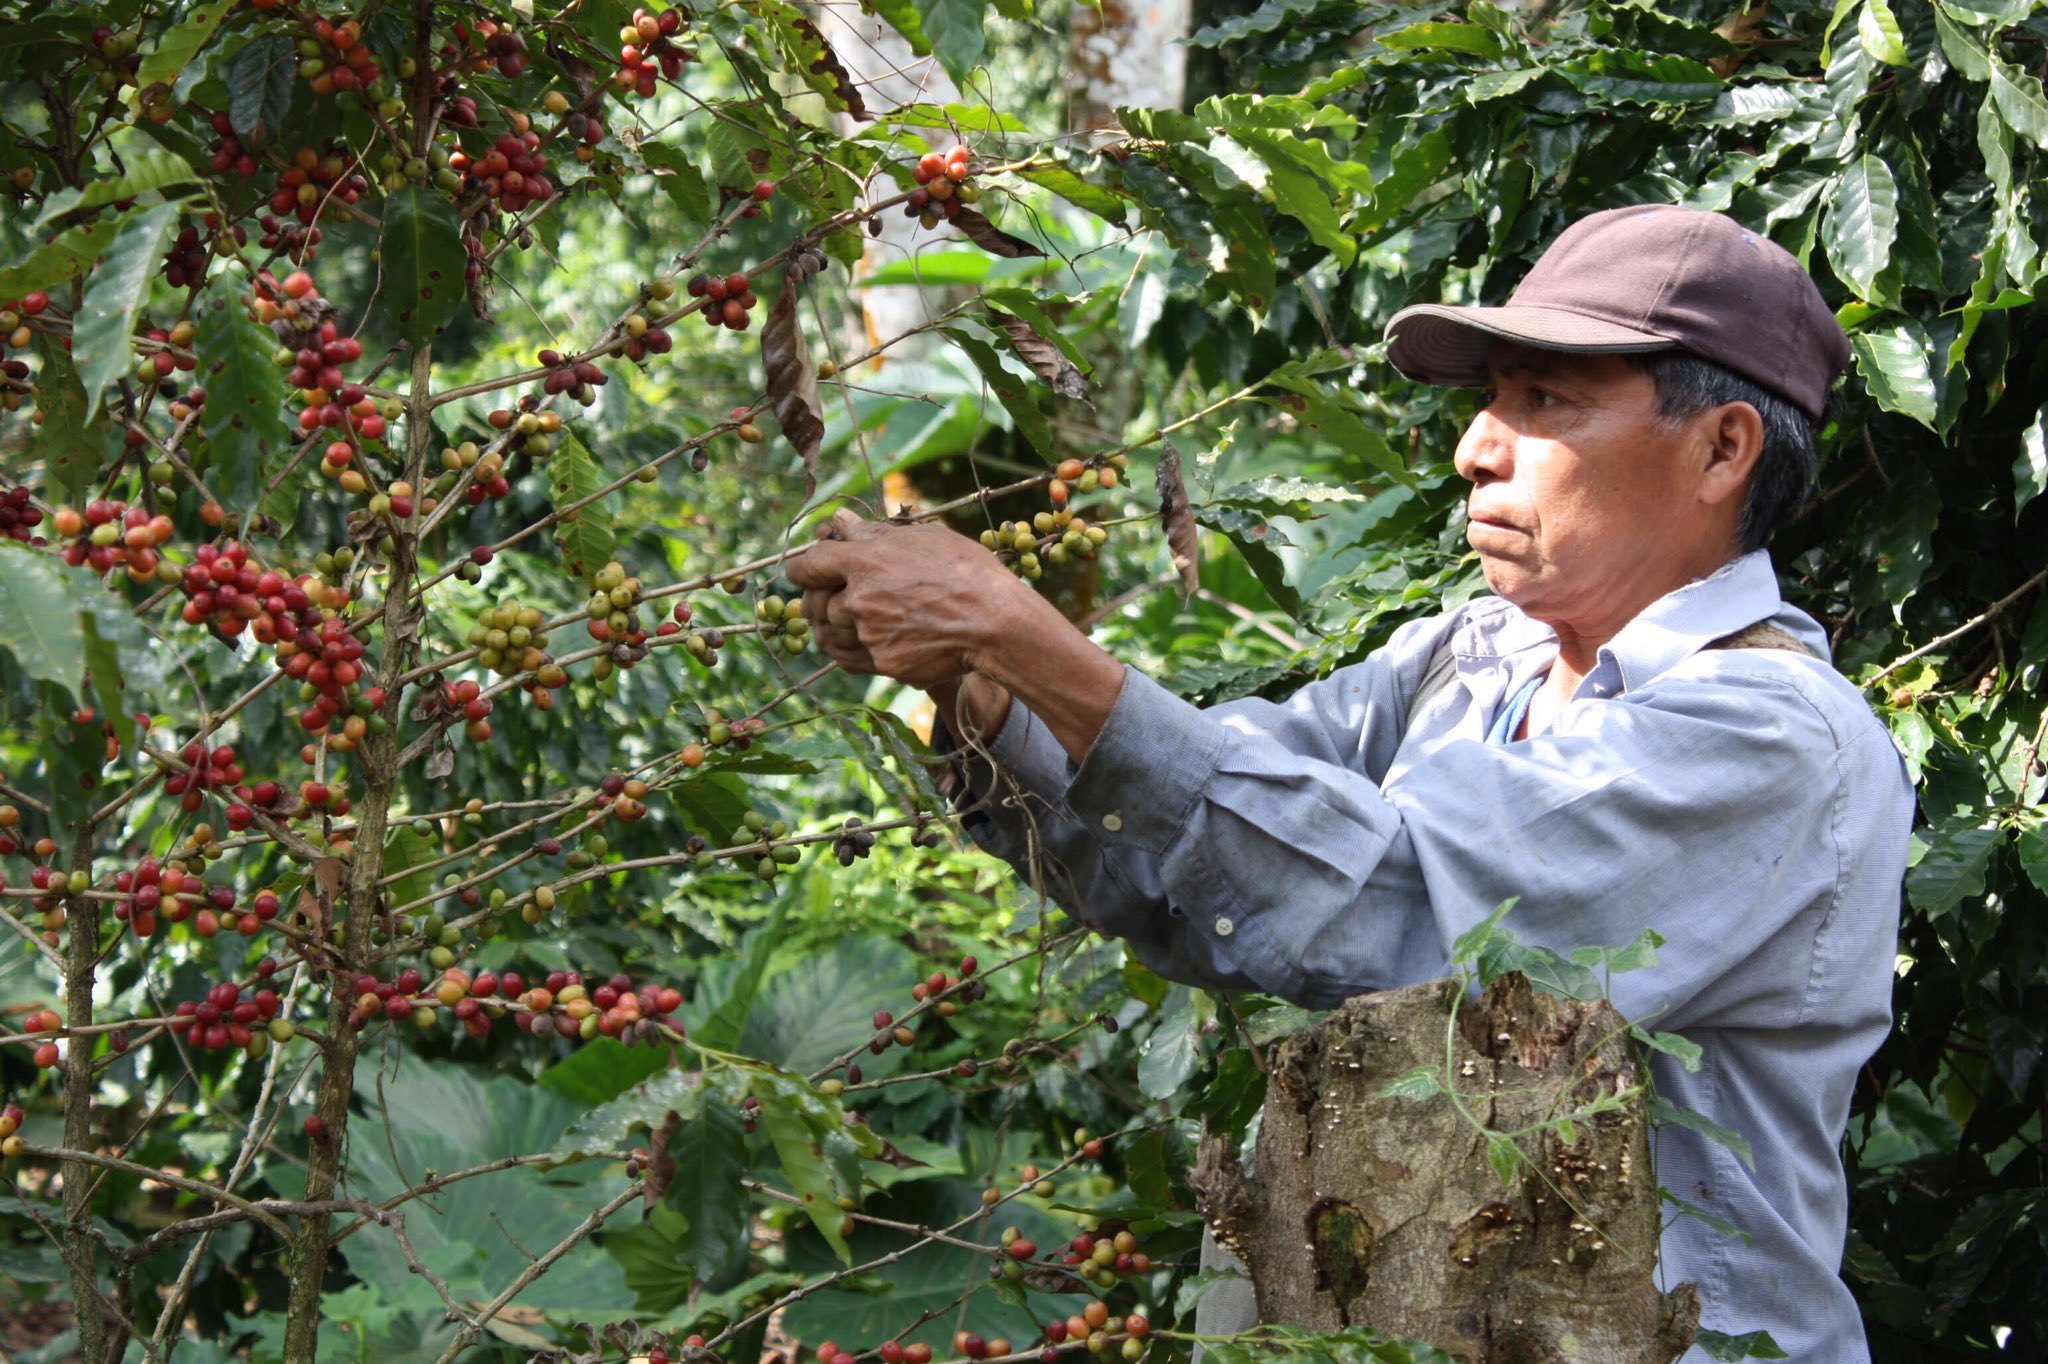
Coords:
pixel 817 605
pixel 823 566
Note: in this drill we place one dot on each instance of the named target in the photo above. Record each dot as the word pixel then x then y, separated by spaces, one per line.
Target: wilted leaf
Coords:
pixel 1046 360
pixel 989 237
pixel 1183 536
pixel 661 1166
pixel 828 64
pixel 792 379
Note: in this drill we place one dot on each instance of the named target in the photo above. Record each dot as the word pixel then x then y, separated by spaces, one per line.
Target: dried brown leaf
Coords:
pixel 792 379
pixel 661 1166
pixel 314 912
pixel 1742 28
pixel 828 64
pixel 1183 537
pixel 989 237
pixel 1048 361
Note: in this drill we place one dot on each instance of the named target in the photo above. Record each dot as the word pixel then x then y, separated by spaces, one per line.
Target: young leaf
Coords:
pixel 585 534
pixel 792 379
pixel 1749 1345
pixel 1663 1111
pixel 1686 1050
pixel 113 294
pixel 1712 1219
pixel 423 263
pixel 1423 1082
pixel 989 237
pixel 1465 951
pixel 1183 537
pixel 1504 1156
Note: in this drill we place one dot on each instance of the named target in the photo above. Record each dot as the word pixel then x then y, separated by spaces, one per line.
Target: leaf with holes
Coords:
pixel 989 237
pixel 1183 536
pixel 423 263
pixel 114 293
pixel 244 417
pixel 260 80
pixel 584 531
pixel 793 381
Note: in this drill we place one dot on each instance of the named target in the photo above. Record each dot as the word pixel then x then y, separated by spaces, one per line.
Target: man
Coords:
pixel 1633 731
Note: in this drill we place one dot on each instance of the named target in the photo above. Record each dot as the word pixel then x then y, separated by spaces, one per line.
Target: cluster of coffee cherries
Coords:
pixel 202 772
pixel 167 354
pixel 648 52
pixel 853 842
pixel 495 45
pixel 228 155
pixel 47 1054
pixel 228 591
pixel 892 1352
pixel 774 856
pixel 943 186
pixel 509 637
pixel 14 328
pixel 334 57
pixel 11 1142
pixel 720 732
pixel 18 518
pixel 186 259
pixel 580 379
pixel 779 619
pixel 513 171
pixel 1094 1329
pixel 613 606
pixel 643 338
pixel 321 654
pixel 488 482
pixel 314 352
pixel 727 299
pixel 110 535
pixel 532 432
pixel 312 182
pixel 10 838
pixel 584 129
pixel 700 644
pixel 564 1005
pixel 223 1018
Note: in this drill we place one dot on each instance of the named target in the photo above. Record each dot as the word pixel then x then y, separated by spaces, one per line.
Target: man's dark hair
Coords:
pixel 1788 465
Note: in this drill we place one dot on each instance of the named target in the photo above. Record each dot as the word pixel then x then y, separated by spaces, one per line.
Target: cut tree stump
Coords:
pixel 1368 1209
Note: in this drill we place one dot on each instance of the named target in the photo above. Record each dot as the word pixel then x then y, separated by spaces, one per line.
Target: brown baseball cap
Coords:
pixel 1647 278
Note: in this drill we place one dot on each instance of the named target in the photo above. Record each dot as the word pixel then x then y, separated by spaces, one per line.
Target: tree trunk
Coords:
pixel 1370 1209
pixel 1125 53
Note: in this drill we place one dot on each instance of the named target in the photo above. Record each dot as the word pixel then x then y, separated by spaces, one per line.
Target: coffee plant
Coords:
pixel 448 911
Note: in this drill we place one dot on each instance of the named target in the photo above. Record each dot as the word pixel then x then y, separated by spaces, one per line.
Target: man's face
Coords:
pixel 1582 501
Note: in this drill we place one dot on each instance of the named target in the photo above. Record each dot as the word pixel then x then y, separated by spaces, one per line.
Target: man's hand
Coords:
pixel 917 603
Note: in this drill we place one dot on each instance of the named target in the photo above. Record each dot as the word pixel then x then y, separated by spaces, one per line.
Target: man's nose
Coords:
pixel 1487 450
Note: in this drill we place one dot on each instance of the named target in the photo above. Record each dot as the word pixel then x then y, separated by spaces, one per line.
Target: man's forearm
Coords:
pixel 1036 655
pixel 973 708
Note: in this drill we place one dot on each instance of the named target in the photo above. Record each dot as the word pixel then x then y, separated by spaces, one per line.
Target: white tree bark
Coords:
pixel 1122 55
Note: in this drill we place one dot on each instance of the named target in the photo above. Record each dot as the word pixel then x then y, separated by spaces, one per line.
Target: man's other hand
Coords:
pixel 918 603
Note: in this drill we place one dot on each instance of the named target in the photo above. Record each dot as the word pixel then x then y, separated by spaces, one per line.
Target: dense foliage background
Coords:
pixel 1222 269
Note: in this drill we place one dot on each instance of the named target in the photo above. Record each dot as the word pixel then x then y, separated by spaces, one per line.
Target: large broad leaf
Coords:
pixel 64 257
pixel 259 80
pixel 710 1155
pixel 584 534
pixel 1016 396
pixel 445 1116
pixel 71 445
pixel 145 173
pixel 1898 372
pixel 2019 99
pixel 1902 533
pixel 806 1015
pixel 1861 223
pixel 244 417
pixel 677 176
pixel 1950 866
pixel 1171 1055
pixel 957 32
pixel 176 49
pixel 1877 28
pixel 423 263
pixel 39 618
pixel 113 294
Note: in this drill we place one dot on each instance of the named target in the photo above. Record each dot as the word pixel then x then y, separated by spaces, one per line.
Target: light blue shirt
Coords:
pixel 1745 803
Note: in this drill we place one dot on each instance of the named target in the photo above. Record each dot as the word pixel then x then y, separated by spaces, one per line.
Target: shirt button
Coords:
pixel 1112 821
pixel 1224 928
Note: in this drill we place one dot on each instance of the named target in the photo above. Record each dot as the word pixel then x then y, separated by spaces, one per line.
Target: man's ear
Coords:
pixel 1733 438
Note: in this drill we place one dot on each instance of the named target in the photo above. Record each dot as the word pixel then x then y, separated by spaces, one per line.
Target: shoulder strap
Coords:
pixel 1443 666
pixel 1762 635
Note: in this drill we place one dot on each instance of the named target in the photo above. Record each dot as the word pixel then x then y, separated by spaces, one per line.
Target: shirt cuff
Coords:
pixel 1147 769
pixel 1025 751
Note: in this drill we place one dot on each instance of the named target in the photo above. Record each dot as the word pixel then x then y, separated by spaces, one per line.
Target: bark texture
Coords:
pixel 1383 1211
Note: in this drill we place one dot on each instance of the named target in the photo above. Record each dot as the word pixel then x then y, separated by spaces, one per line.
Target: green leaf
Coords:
pixel 800 1149
pixel 1898 372
pixel 1664 1111
pixel 70 445
pixel 722 1029
pixel 1423 1082
pixel 147 172
pixel 825 1001
pixel 39 617
pixel 1505 1157
pixel 1062 180
pixel 2019 98
pixel 65 257
pixel 1267 18
pixel 1950 869
pixel 1018 397
pixel 2033 850
pixel 111 631
pixel 113 294
pixel 1749 1345
pixel 244 417
pixel 1902 533
pixel 1474 940
pixel 259 80
pixel 1877 28
pixel 1145 1166
pixel 677 176
pixel 1642 78
pixel 610 1125
pixel 585 535
pixel 902 15
pixel 403 850
pixel 957 32
pixel 2030 467
pixel 1686 1051
pixel 1638 955
pixel 1861 223
pixel 1712 1219
pixel 710 1152
pixel 176 49
pixel 1170 1056
pixel 423 263
pixel 1472 39
pixel 1299 194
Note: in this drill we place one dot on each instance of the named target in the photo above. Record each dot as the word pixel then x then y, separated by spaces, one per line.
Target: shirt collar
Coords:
pixel 1669 630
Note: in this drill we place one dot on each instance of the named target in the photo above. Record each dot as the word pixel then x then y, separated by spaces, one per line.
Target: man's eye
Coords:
pixel 1542 397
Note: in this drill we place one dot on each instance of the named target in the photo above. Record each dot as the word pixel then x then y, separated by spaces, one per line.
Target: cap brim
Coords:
pixel 1439 344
